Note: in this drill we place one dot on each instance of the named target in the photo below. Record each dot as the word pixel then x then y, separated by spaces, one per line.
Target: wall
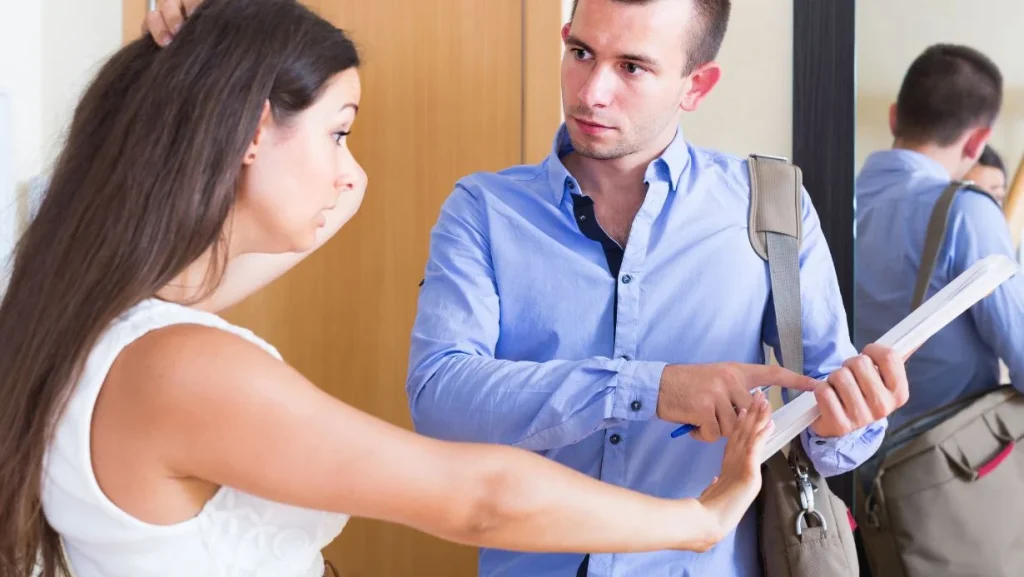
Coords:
pixel 21 78
pixel 8 202
pixel 20 112
pixel 751 109
pixel 48 51
pixel 71 55
pixel 886 46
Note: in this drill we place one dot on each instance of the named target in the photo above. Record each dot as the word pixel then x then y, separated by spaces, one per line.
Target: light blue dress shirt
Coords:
pixel 896 191
pixel 524 338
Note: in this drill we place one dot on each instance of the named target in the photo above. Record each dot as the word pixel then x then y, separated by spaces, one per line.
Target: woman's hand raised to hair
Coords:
pixel 164 22
pixel 731 494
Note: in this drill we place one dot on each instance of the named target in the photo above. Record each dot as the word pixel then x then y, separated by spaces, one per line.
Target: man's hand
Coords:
pixel 868 387
pixel 709 396
pixel 164 22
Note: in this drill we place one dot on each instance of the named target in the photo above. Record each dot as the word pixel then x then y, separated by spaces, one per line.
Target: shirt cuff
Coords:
pixel 636 390
pixel 836 455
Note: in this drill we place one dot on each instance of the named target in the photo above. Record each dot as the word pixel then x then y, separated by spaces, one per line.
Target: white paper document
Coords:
pixel 906 337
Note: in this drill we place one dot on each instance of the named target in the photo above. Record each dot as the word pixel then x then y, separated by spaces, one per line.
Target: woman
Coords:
pixel 150 437
pixel 989 174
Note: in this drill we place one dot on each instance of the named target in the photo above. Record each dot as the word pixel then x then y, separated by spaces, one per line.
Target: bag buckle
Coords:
pixel 771 157
pixel 873 519
pixel 807 490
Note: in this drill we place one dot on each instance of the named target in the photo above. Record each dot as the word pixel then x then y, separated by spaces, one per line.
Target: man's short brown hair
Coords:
pixel 712 20
pixel 948 90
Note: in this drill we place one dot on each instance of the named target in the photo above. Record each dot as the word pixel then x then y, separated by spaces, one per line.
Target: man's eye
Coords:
pixel 633 69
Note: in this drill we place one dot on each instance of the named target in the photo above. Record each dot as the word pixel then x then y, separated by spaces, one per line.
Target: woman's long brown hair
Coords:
pixel 142 189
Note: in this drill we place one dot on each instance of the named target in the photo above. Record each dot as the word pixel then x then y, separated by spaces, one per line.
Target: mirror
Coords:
pixel 959 369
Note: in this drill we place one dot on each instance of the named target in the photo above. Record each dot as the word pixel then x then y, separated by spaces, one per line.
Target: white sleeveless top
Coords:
pixel 235 534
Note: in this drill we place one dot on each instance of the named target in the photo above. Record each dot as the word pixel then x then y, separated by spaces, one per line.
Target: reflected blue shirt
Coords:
pixel 523 337
pixel 896 191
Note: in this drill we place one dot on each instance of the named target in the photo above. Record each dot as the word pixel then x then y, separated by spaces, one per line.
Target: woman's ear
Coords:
pixel 261 132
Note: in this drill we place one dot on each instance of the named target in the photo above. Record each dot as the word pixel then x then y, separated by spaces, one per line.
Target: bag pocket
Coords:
pixel 958 508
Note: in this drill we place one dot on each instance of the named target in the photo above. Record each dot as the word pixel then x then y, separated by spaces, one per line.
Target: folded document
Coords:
pixel 906 337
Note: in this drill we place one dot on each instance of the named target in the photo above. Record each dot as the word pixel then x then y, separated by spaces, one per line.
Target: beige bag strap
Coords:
pixel 802 525
pixel 776 188
pixel 933 240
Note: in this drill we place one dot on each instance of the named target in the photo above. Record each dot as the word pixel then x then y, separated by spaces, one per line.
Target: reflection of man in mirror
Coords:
pixel 989 174
pixel 942 121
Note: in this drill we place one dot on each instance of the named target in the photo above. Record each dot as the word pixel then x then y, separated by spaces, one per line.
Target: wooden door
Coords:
pixel 449 87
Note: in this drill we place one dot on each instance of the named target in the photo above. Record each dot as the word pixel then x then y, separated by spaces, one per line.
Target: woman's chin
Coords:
pixel 307 243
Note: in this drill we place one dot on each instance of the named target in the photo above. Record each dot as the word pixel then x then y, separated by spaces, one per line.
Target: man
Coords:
pixel 585 306
pixel 989 174
pixel 942 119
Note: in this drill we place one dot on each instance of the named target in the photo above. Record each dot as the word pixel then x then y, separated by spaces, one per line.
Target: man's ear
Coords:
pixel 892 119
pixel 261 133
pixel 699 84
pixel 976 141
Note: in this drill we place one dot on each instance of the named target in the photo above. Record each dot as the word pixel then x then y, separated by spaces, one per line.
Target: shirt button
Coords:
pixel 636 405
pixel 819 442
pixel 626 279
pixel 570 184
pixel 615 439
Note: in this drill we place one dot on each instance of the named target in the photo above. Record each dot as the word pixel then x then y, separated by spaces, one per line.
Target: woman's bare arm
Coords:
pixel 220 409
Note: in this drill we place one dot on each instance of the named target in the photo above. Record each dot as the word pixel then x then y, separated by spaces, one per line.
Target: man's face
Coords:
pixel 623 81
pixel 990 179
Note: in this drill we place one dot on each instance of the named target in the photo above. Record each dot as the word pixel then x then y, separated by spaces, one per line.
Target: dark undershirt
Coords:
pixel 583 210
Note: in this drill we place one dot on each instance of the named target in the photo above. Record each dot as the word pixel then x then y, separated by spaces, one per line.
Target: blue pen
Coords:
pixel 684 429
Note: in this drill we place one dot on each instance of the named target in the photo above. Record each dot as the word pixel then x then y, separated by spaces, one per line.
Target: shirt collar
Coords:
pixel 668 167
pixel 903 160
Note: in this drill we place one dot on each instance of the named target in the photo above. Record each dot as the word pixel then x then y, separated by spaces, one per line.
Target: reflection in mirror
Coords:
pixel 891 35
pixel 940 98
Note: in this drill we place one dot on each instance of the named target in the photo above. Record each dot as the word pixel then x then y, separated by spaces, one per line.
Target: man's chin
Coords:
pixel 597 148
pixel 598 153
pixel 586 148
